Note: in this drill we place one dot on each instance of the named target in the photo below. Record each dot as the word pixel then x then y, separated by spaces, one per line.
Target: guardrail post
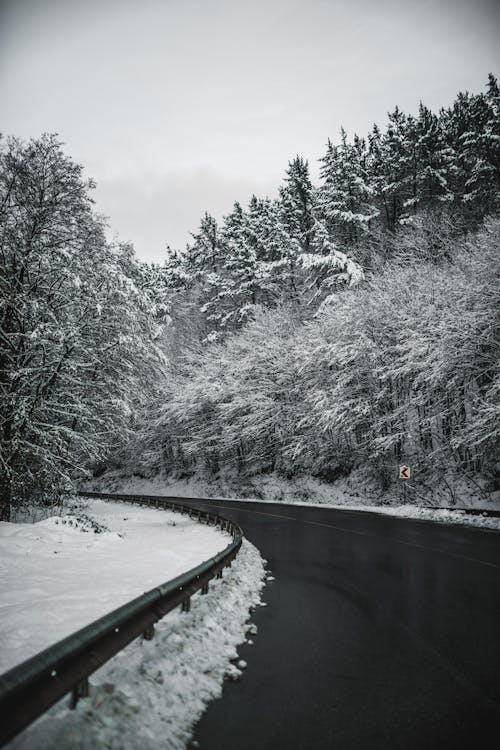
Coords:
pixel 149 633
pixel 186 604
pixel 204 588
pixel 80 690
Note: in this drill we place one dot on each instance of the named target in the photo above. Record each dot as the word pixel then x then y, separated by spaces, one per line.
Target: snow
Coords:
pixel 439 515
pixel 160 688
pixel 58 575
pixel 151 689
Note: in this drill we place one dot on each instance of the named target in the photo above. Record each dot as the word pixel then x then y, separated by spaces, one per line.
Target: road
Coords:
pixel 379 632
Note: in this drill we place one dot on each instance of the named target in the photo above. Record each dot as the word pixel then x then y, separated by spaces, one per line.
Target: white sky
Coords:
pixel 180 106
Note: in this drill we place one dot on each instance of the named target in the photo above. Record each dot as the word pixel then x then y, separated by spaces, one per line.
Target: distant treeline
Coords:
pixel 310 241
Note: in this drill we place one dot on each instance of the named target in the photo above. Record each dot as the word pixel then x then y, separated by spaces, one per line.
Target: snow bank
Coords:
pixel 440 515
pixel 58 575
pixel 152 693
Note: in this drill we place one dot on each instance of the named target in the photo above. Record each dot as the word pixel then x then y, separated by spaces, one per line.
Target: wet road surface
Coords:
pixel 379 632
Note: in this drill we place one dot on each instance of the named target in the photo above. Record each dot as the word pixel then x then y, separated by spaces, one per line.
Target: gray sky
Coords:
pixel 180 106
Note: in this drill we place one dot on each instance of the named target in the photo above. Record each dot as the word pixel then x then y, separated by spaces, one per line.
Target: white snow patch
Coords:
pixel 58 575
pixel 440 515
pixel 153 693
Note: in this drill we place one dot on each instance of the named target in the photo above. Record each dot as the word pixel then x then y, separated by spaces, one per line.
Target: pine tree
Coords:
pixel 296 204
pixel 396 158
pixel 472 128
pixel 481 149
pixel 269 241
pixel 240 261
pixel 204 268
pixel 434 162
pixel 345 199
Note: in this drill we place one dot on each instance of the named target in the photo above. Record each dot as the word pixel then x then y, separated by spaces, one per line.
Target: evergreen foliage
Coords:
pixel 309 242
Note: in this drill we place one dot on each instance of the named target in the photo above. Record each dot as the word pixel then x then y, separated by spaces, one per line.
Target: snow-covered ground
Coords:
pixel 301 491
pixel 439 515
pixel 59 575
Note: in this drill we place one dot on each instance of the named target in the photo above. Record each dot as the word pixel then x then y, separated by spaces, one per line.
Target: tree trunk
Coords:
pixel 5 497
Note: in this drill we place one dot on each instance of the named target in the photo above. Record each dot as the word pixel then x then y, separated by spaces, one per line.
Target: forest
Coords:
pixel 332 331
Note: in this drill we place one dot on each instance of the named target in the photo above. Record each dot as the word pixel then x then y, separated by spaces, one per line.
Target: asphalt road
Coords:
pixel 378 632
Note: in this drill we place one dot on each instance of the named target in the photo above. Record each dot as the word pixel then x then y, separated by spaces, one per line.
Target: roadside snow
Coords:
pixel 441 515
pixel 58 575
pixel 152 693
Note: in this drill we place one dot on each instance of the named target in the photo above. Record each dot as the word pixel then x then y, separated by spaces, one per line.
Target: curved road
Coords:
pixel 378 632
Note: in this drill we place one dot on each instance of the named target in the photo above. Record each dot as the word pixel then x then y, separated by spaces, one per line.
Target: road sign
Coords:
pixel 404 472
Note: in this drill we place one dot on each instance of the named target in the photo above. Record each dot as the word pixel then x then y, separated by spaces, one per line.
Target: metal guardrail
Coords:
pixel 30 688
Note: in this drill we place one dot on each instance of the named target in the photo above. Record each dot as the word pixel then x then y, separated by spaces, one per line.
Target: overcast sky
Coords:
pixel 176 107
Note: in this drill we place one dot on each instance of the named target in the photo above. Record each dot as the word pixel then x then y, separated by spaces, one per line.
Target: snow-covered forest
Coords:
pixel 336 329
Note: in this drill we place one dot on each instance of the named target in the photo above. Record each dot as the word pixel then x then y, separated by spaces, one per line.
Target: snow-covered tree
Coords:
pixel 346 197
pixel 434 163
pixel 403 366
pixel 240 266
pixel 480 146
pixel 76 335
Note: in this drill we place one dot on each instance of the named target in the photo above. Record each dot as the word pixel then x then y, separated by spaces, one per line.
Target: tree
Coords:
pixel 296 203
pixel 472 130
pixel 75 331
pixel 240 265
pixel 346 198
pixel 433 162
pixel 268 235
pixel 481 148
